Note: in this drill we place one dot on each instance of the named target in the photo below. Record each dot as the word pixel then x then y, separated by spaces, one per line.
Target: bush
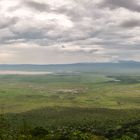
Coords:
pixel 39 132
pixel 125 138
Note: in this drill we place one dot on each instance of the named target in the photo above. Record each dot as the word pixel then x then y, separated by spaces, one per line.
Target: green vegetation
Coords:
pixel 23 93
pixel 70 106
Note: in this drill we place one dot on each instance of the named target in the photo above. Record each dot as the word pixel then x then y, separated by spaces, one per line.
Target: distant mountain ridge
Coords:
pixel 124 67
pixel 121 61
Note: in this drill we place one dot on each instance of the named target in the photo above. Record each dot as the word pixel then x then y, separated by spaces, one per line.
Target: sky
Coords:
pixel 69 31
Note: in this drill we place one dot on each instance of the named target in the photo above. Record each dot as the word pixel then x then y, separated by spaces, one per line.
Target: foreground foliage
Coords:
pixel 129 131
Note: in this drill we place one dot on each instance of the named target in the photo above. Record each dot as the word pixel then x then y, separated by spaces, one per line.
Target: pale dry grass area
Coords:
pixel 3 72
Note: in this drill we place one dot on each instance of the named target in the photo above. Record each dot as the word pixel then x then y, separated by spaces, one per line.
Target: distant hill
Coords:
pixel 121 67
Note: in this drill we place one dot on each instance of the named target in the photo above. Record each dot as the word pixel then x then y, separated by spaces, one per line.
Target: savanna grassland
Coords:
pixel 23 93
pixel 76 106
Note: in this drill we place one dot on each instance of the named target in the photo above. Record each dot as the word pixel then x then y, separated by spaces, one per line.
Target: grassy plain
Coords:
pixel 101 102
pixel 23 93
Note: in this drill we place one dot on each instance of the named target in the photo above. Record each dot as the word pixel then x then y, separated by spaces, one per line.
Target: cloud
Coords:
pixel 6 22
pixel 132 5
pixel 131 23
pixel 37 6
pixel 79 49
pixel 34 31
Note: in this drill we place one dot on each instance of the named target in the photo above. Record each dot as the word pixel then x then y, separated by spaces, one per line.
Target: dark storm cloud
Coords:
pixel 130 23
pixel 132 5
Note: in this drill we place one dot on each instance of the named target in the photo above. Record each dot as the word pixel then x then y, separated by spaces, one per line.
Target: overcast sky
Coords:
pixel 69 31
